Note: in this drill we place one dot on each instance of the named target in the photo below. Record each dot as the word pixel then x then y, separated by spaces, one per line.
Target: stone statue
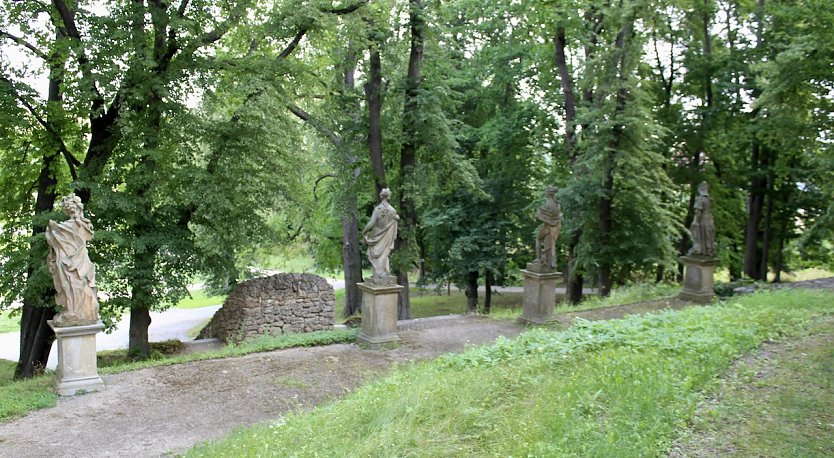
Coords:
pixel 380 234
pixel 73 274
pixel 703 226
pixel 550 214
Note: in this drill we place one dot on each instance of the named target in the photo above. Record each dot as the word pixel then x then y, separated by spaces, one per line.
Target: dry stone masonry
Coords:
pixel 273 305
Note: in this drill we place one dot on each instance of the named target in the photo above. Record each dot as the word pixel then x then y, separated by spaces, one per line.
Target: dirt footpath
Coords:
pixel 164 410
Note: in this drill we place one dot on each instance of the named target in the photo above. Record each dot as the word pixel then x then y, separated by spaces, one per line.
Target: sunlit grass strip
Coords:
pixel 620 388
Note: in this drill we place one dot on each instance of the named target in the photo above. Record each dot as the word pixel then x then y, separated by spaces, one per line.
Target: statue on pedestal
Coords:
pixel 703 225
pixel 73 274
pixel 550 214
pixel 380 234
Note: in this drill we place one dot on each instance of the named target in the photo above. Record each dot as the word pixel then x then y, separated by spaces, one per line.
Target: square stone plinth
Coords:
pixel 698 279
pixel 77 367
pixel 379 314
pixel 539 297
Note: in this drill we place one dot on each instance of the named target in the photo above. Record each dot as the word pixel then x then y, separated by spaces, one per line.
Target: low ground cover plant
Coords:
pixel 616 388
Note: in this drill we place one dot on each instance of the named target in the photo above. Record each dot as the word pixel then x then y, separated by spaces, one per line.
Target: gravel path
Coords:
pixel 161 410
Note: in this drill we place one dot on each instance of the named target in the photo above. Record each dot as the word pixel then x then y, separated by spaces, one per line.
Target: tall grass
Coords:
pixel 619 388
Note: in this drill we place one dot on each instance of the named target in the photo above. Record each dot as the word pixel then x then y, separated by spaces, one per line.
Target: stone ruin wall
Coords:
pixel 274 305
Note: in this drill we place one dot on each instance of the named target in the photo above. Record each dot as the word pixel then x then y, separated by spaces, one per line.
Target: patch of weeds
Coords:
pixel 17 398
pixel 289 382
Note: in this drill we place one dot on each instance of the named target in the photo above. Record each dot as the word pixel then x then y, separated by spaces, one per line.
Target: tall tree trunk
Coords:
pixel 606 203
pixel 758 161
pixel 471 292
pixel 352 262
pixel 752 259
pixel 408 158
pixel 574 282
pixel 351 250
pixel 488 281
pixel 36 336
pixel 373 89
pixel 606 222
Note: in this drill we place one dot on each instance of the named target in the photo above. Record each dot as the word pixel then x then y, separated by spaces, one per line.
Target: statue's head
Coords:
pixel 550 191
pixel 385 194
pixel 703 188
pixel 71 205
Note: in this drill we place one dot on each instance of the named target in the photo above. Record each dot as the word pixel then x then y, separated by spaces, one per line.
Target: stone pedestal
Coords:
pixel 379 314
pixel 539 296
pixel 77 368
pixel 698 279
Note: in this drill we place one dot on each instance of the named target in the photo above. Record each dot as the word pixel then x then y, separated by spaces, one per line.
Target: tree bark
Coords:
pixel 373 89
pixel 488 281
pixel 352 262
pixel 752 259
pixel 471 292
pixel 36 336
pixel 574 282
pixel 408 158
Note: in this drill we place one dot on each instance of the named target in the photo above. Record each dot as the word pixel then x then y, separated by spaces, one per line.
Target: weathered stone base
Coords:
pixel 539 297
pixel 77 370
pixel 379 315
pixel 698 279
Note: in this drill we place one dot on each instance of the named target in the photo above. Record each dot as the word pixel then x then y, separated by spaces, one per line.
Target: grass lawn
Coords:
pixel 9 323
pixel 426 302
pixel 199 299
pixel 611 388
pixel 18 398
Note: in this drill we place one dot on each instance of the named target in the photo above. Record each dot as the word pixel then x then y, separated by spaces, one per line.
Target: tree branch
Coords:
pixel 345 10
pixel 316 124
pixel 25 44
pixel 72 161
pixel 71 30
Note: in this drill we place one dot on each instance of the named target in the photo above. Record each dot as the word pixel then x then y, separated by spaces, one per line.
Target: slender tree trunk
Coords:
pixel 606 222
pixel 488 281
pixel 683 245
pixel 352 262
pixel 574 282
pixel 351 250
pixel 472 292
pixel 373 97
pixel 36 336
pixel 408 158
pixel 752 258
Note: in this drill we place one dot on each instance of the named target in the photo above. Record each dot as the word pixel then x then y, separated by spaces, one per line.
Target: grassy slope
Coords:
pixel 775 404
pixel 620 388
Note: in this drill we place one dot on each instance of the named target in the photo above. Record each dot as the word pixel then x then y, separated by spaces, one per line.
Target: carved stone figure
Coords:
pixel 380 234
pixel 73 274
pixel 550 214
pixel 703 225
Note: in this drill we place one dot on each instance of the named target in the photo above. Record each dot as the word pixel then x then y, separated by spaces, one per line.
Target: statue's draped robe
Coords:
pixel 73 274
pixel 550 214
pixel 380 239
pixel 703 228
